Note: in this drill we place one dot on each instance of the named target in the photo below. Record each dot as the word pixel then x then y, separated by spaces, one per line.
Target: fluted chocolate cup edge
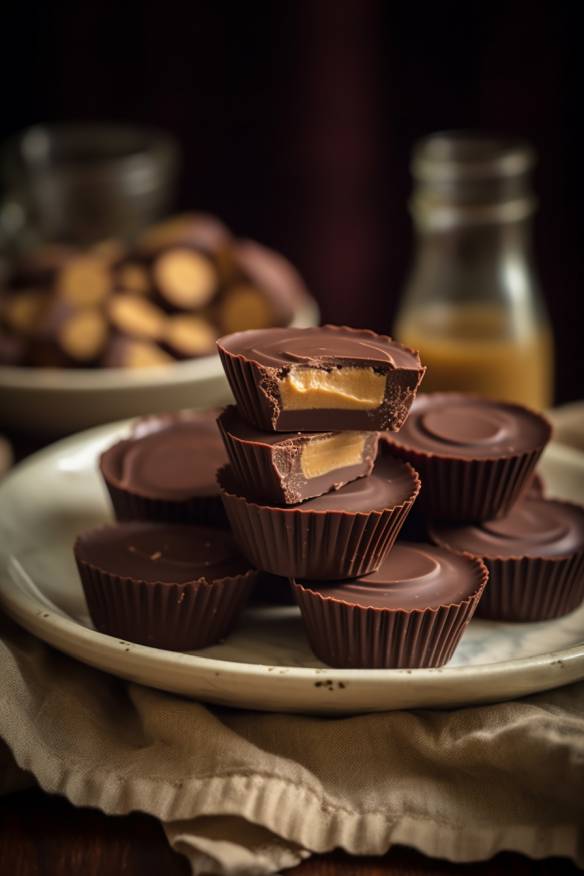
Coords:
pixel 178 617
pixel 293 541
pixel 349 636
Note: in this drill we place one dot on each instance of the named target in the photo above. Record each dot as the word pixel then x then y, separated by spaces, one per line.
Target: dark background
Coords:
pixel 297 120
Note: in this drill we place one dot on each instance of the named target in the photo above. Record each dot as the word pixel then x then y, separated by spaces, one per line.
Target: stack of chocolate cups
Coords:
pixel 308 499
pixel 167 574
pixel 476 459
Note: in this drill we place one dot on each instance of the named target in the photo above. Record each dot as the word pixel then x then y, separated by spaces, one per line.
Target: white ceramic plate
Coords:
pixel 266 663
pixel 58 401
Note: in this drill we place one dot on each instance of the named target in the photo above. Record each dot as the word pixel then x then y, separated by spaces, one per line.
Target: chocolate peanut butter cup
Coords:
pixel 535 557
pixel 169 586
pixel 314 379
pixel 410 613
pixel 165 470
pixel 284 468
pixel 338 535
pixel 474 456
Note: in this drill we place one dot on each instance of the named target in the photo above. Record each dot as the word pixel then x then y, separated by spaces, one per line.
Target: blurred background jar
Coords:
pixel 82 183
pixel 472 303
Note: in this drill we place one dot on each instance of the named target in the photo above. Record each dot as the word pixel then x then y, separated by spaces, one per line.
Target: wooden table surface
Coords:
pixel 45 835
pixel 42 835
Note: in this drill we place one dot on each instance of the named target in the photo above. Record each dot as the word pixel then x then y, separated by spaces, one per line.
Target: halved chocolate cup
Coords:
pixel 473 477
pixel 282 468
pixel 524 586
pixel 347 631
pixel 328 537
pixel 315 379
pixel 178 615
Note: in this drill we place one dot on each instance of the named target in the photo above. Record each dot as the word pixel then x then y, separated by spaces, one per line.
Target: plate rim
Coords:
pixel 14 599
pixel 46 618
pixel 69 635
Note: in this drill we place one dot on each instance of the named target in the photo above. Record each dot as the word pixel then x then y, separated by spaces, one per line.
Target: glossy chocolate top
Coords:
pixel 412 576
pixel 467 427
pixel 171 456
pixel 391 483
pixel 533 528
pixel 171 554
pixel 319 347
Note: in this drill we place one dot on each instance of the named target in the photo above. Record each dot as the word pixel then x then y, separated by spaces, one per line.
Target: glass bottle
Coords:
pixel 472 303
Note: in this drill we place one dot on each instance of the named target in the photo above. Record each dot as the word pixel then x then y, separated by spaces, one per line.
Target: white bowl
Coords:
pixel 57 401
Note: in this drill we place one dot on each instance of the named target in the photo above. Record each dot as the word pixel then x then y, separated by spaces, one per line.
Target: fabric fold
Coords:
pixel 251 793
pixel 224 844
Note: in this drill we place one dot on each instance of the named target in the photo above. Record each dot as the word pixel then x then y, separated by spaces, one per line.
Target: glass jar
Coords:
pixel 81 183
pixel 472 303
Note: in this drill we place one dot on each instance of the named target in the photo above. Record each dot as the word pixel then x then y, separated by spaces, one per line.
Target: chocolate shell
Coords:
pixel 535 557
pixel 168 586
pixel 285 468
pixel 342 534
pixel 165 470
pixel 411 613
pixel 474 456
pixel 315 379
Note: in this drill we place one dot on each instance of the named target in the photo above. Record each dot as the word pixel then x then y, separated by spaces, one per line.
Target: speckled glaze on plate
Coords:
pixel 266 663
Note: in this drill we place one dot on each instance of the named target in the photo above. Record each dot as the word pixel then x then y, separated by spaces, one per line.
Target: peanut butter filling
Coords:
pixel 349 388
pixel 327 454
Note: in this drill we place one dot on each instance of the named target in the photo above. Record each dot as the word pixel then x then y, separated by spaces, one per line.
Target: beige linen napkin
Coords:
pixel 249 793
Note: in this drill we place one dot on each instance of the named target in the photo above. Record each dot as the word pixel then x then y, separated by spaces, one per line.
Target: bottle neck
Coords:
pixel 482 266
pixel 473 195
pixel 476 242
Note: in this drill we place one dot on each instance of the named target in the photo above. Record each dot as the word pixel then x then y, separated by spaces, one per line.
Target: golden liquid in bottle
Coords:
pixel 469 348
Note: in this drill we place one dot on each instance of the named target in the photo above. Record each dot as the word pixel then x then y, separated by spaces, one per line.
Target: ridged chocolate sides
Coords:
pixel 258 403
pixel 179 617
pixel 244 378
pixel 351 637
pixel 252 467
pixel 469 491
pixel 205 510
pixel 310 544
pixel 532 588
